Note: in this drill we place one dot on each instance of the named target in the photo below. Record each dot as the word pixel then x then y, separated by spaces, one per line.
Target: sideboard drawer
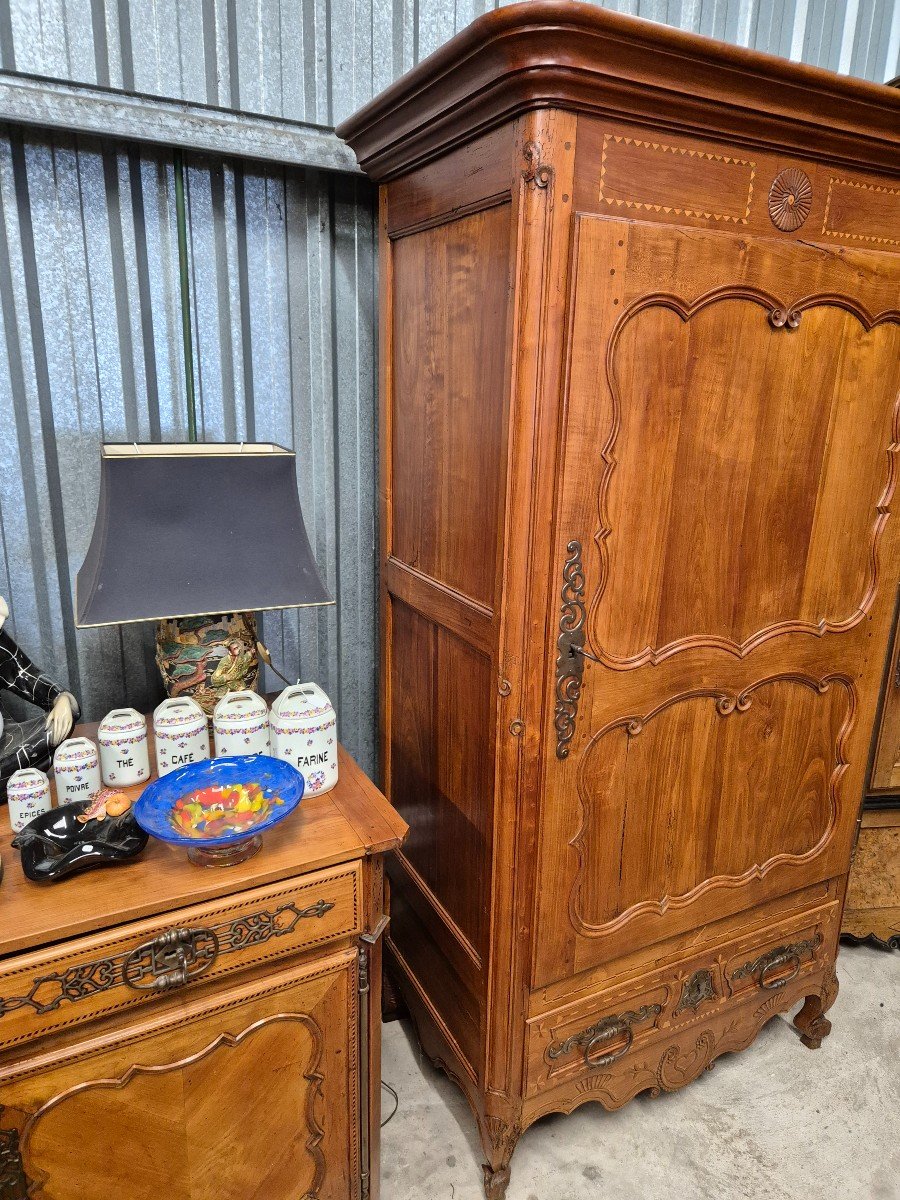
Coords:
pixel 90 977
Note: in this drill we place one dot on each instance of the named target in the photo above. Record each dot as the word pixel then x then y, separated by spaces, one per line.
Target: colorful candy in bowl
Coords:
pixel 219 808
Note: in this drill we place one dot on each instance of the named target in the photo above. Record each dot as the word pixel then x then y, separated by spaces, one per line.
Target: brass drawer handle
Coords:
pixel 615 1026
pixel 773 959
pixel 779 961
pixel 171 960
pixel 595 1035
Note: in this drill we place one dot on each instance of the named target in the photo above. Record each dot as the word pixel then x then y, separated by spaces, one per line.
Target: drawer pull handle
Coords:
pixel 603 1031
pixel 781 956
pixel 779 960
pixel 171 960
pixel 604 1035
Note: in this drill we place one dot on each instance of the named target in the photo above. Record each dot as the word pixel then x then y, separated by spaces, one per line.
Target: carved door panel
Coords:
pixel 252 1095
pixel 726 558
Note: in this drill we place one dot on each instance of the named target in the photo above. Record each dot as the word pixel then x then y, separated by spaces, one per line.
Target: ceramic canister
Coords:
pixel 179 724
pixel 241 725
pixel 124 756
pixel 28 795
pixel 76 768
pixel 304 733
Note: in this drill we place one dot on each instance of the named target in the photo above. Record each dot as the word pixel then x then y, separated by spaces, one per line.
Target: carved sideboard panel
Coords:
pixel 211 1138
pixel 241 1101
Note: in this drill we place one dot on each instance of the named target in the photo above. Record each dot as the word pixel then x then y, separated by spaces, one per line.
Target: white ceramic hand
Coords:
pixel 60 719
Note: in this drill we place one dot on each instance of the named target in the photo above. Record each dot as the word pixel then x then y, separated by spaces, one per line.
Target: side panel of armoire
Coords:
pixel 447 252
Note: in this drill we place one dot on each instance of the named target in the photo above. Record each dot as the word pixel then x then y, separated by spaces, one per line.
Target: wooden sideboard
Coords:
pixel 639 343
pixel 257 1077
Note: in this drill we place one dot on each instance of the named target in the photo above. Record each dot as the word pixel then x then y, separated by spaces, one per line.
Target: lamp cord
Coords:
pixel 387 1087
pixel 263 651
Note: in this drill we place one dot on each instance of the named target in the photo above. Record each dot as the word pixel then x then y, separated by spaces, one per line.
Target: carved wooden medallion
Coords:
pixel 790 199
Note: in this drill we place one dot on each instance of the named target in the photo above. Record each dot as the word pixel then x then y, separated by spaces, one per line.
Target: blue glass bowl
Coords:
pixel 153 809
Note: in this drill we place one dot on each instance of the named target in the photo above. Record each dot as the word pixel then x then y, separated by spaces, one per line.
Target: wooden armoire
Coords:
pixel 640 334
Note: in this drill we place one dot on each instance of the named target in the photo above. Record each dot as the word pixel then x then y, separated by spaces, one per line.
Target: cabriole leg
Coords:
pixel 811 1021
pixel 499 1138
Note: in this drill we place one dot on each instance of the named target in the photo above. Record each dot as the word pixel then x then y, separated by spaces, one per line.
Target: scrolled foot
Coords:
pixel 495 1181
pixel 811 1022
pixel 499 1137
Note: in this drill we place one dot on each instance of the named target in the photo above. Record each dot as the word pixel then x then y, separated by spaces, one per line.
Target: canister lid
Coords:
pixel 122 720
pixel 236 707
pixel 25 779
pixel 178 711
pixel 300 701
pixel 79 749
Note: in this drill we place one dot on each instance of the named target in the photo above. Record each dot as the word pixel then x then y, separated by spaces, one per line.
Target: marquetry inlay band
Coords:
pixel 828 221
pixel 676 209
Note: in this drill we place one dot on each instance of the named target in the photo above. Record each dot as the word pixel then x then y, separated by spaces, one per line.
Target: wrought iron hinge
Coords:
pixel 570 648
pixel 13 1181
pixel 536 172
pixel 367 941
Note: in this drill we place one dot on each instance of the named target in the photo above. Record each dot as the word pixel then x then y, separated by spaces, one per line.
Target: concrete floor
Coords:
pixel 776 1122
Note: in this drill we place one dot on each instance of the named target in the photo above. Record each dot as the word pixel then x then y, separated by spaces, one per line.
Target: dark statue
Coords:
pixel 30 743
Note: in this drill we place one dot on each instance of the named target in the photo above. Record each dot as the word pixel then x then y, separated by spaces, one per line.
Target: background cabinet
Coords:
pixel 640 322
pixel 872 912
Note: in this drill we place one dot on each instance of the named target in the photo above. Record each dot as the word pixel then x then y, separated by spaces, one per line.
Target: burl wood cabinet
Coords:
pixel 872 909
pixel 200 1034
pixel 640 334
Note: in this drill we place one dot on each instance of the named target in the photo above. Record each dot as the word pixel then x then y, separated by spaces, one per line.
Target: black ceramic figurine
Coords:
pixel 30 743
pixel 61 842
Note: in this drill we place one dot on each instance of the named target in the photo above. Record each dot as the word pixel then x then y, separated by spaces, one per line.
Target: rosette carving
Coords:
pixel 790 199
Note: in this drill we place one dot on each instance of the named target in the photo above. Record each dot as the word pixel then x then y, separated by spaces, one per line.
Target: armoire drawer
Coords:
pixel 777 959
pixel 584 1037
pixel 86 978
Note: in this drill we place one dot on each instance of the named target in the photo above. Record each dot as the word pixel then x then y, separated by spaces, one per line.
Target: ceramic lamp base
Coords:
pixel 204 658
pixel 225 856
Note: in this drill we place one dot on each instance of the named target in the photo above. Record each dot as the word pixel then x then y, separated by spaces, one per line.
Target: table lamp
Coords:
pixel 198 537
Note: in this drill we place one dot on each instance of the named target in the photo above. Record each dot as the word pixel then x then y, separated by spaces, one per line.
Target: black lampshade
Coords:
pixel 186 530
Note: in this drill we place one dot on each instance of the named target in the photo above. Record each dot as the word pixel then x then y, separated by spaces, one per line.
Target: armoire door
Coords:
pixel 725 573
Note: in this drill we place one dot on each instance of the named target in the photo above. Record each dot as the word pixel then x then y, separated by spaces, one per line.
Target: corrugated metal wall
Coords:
pixel 283 272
